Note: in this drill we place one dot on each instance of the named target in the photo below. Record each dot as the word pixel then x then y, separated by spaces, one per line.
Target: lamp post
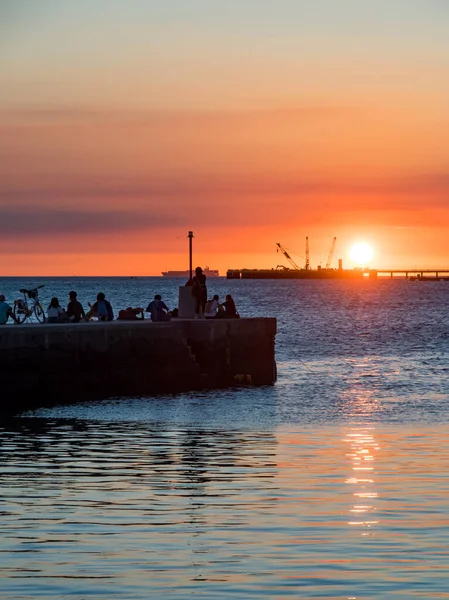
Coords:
pixel 186 304
pixel 190 236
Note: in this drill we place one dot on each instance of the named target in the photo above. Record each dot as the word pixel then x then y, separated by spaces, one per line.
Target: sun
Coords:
pixel 361 253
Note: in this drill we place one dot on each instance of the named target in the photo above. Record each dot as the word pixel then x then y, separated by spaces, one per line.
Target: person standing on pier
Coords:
pixel 199 291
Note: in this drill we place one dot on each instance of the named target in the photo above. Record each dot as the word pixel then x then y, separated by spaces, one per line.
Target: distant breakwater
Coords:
pixel 45 365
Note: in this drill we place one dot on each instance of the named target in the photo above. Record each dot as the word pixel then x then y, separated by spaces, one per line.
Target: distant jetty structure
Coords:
pixel 353 274
pixel 282 272
pixel 296 272
pixel 286 273
pixel 46 365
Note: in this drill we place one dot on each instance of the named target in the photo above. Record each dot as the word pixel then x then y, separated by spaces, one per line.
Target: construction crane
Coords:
pixel 287 256
pixel 307 266
pixel 331 253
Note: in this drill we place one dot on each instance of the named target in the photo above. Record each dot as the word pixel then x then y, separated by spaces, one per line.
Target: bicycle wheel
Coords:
pixel 20 311
pixel 39 313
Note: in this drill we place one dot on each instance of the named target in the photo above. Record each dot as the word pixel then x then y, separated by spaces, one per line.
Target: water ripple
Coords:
pixel 130 510
pixel 331 484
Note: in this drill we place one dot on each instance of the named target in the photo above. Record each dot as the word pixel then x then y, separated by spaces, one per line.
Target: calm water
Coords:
pixel 331 484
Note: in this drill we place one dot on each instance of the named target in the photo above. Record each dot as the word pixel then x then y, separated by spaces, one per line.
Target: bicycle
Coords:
pixel 23 311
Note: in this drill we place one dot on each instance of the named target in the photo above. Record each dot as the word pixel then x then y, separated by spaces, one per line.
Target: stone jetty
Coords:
pixel 45 365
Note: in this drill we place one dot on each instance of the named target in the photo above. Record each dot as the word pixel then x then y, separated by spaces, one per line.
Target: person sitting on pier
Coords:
pixel 158 309
pixel 55 312
pixel 101 309
pixel 75 311
pixel 230 309
pixel 131 314
pixel 6 311
pixel 212 308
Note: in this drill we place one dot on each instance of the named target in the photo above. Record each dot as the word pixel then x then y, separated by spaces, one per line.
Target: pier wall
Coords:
pixel 42 365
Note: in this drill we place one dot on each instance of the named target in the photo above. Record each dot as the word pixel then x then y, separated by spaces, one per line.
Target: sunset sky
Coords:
pixel 125 124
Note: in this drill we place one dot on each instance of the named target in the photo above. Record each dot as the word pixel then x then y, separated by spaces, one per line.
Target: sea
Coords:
pixel 332 483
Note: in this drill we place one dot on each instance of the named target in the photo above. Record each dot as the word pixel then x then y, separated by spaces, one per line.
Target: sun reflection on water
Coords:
pixel 362 449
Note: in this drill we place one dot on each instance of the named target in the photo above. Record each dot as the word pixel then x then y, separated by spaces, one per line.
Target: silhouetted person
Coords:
pixel 101 309
pixel 230 309
pixel 158 309
pixel 55 312
pixel 75 311
pixel 199 291
pixel 212 307
pixel 5 311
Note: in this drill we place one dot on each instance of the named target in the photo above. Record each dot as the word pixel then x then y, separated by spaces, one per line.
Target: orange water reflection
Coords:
pixel 362 450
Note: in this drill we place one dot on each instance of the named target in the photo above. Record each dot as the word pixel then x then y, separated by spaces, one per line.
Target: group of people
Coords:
pixel 74 313
pixel 101 310
pixel 157 308
pixel 213 308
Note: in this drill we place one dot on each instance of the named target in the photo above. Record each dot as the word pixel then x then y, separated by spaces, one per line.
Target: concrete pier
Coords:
pixel 44 365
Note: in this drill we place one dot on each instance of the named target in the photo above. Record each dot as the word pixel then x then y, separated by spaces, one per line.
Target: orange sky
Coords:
pixel 246 124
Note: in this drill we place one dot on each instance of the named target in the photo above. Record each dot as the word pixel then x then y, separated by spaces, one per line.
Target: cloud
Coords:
pixel 29 115
pixel 42 222
pixel 192 190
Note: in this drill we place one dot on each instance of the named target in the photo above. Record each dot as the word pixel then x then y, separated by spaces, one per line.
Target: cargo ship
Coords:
pixel 208 272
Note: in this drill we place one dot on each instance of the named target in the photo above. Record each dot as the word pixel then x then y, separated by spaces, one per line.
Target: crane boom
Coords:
pixel 307 255
pixel 331 253
pixel 287 256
